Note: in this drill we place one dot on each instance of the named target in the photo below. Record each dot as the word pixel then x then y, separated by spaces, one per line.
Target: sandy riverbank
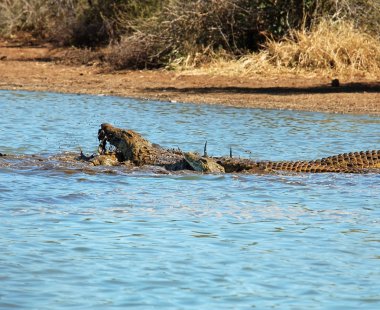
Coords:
pixel 38 69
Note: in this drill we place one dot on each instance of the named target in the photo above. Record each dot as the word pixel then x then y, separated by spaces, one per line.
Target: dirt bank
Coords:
pixel 37 68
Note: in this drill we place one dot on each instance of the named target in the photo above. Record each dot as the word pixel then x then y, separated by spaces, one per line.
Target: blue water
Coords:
pixel 186 241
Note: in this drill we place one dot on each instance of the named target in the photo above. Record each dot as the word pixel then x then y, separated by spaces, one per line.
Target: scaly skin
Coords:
pixel 131 146
pixel 356 162
pixel 132 150
pixel 203 164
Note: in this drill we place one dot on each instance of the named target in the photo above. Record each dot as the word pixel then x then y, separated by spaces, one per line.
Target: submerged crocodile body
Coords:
pixel 356 162
pixel 132 147
pixel 129 151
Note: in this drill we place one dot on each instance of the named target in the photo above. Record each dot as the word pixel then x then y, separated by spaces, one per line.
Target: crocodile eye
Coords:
pixel 101 134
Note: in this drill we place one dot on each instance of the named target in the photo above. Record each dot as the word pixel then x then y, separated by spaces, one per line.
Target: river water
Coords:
pixel 185 241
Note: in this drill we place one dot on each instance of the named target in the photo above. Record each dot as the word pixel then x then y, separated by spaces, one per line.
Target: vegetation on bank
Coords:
pixel 235 35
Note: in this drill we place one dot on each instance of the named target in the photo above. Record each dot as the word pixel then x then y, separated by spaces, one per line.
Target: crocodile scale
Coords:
pixel 131 146
pixel 354 162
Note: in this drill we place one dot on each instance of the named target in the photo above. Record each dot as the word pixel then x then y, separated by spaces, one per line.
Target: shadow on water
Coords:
pixel 322 89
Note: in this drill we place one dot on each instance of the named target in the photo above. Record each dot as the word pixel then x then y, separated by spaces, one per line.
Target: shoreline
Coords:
pixel 31 69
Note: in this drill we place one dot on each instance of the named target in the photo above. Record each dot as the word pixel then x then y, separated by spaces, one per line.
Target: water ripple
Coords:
pixel 142 240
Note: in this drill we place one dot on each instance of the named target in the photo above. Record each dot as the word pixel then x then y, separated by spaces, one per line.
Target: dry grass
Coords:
pixel 79 56
pixel 330 48
pixel 139 51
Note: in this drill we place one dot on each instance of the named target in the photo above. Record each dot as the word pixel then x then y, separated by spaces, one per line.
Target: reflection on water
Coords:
pixel 142 240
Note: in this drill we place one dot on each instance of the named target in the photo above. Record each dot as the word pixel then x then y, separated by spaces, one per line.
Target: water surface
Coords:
pixel 187 241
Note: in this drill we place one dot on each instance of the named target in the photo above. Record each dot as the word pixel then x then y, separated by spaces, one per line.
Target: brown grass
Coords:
pixel 330 48
pixel 139 51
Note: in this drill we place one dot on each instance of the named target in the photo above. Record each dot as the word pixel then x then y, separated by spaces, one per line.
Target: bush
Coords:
pixel 138 51
pixel 232 25
pixel 337 46
pixel 49 20
pixel 104 21
pixel 329 49
pixel 364 14
pixel 195 30
pixel 83 23
pixel 183 28
pixel 154 33
pixel 22 15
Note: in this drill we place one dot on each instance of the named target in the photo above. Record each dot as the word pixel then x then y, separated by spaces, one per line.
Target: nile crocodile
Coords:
pixel 130 151
pixel 131 147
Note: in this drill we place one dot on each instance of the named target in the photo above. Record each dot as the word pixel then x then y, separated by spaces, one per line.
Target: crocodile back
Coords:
pixel 348 162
